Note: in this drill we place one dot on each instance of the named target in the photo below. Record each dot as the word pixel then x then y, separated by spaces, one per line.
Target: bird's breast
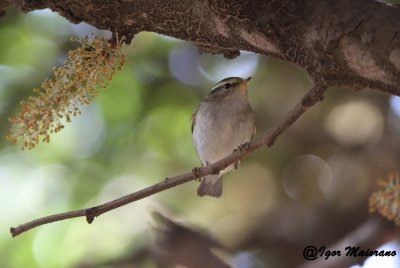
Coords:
pixel 217 133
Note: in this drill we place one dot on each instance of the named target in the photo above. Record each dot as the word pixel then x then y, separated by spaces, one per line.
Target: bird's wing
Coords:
pixel 254 130
pixel 193 119
pixel 253 117
pixel 255 126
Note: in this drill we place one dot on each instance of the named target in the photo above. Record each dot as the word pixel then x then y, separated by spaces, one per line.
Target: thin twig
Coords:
pixel 268 139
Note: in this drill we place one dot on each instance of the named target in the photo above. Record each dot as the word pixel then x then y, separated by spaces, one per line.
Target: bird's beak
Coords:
pixel 243 85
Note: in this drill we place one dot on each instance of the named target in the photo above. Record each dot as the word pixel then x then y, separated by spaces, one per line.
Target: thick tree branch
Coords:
pixel 343 43
pixel 268 139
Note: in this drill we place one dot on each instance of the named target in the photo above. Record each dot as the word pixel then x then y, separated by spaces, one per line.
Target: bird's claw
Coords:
pixel 244 146
pixel 240 148
pixel 237 164
pixel 195 173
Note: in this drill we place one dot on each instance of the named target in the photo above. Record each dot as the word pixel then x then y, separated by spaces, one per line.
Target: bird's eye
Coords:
pixel 227 85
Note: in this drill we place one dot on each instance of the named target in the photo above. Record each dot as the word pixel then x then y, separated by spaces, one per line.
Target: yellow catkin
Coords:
pixel 75 83
pixel 387 200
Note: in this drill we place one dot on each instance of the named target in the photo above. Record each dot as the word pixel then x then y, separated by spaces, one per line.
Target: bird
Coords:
pixel 221 123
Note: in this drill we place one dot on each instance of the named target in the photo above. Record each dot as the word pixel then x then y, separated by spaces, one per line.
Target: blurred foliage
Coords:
pixel 90 66
pixel 311 187
pixel 387 200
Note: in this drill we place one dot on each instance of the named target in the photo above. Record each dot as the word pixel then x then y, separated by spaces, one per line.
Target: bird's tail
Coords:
pixel 210 185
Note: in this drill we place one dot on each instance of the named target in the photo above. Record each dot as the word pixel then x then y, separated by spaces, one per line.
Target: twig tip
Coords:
pixel 13 231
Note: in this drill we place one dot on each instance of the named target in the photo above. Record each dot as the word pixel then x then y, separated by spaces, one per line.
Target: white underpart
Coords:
pixel 215 138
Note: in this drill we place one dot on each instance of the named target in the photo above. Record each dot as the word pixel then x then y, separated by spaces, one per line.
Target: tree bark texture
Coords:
pixel 339 42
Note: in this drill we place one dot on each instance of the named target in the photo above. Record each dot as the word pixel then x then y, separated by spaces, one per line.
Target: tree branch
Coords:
pixel 343 43
pixel 268 139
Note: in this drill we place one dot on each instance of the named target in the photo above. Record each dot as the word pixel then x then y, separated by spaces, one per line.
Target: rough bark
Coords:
pixel 342 43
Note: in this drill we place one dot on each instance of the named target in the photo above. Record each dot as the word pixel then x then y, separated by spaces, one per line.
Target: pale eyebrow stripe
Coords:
pixel 218 86
pixel 223 82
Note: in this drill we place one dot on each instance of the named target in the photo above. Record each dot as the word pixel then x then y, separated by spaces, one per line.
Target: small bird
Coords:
pixel 221 123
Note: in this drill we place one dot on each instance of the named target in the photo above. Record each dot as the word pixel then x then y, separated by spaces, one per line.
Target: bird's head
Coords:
pixel 231 87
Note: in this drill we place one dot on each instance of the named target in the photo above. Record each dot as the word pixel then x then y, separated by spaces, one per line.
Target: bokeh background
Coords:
pixel 311 187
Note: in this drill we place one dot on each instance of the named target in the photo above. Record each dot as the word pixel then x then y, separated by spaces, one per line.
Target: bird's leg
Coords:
pixel 237 164
pixel 239 149
pixel 244 146
pixel 195 173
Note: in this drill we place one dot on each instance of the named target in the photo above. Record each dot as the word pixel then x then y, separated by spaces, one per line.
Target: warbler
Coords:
pixel 221 123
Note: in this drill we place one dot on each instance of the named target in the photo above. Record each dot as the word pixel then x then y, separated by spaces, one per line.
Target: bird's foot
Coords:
pixel 240 148
pixel 243 147
pixel 195 173
pixel 237 164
